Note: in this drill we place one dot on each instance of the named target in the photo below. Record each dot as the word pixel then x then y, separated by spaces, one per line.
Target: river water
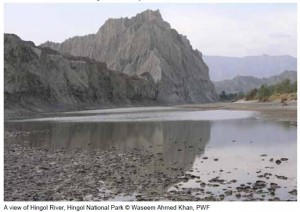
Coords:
pixel 236 147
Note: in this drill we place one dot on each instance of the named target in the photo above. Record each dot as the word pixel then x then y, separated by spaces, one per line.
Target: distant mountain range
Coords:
pixel 246 83
pixel 223 68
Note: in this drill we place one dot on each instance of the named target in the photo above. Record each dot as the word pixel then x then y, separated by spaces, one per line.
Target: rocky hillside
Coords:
pixel 147 44
pixel 243 84
pixel 223 68
pixel 41 78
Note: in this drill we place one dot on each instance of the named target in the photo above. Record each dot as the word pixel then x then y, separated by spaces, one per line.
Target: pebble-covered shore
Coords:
pixel 40 174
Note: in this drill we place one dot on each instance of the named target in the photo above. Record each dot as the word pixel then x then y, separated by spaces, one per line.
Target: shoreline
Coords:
pixel 45 174
pixel 269 110
pixel 38 174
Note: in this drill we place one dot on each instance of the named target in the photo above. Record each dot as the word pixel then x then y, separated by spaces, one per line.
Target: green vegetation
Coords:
pixel 252 94
pixel 266 91
pixel 230 97
pixel 283 90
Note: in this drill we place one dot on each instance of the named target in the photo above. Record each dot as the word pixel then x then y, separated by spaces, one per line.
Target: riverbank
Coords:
pixel 268 110
pixel 162 169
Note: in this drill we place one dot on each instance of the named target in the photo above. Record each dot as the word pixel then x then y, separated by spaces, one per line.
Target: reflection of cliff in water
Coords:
pixel 175 143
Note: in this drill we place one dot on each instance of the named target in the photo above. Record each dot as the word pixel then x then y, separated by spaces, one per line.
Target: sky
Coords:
pixel 235 30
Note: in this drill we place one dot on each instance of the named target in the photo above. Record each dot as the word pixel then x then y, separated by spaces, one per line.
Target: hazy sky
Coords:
pixel 214 29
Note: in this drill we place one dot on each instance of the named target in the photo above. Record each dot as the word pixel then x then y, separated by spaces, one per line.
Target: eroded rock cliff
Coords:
pixel 147 44
pixel 40 78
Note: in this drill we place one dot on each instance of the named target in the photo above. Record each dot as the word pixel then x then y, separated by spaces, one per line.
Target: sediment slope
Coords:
pixel 40 78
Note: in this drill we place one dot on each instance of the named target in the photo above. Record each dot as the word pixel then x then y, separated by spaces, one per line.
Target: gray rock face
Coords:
pixel 244 84
pixel 37 78
pixel 147 44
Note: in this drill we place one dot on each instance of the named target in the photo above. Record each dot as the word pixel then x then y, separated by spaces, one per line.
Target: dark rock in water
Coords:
pixel 271 160
pixel 190 176
pixel 205 158
pixel 228 193
pixel 263 155
pixel 216 180
pixel 138 196
pixel 214 185
pixel 278 162
pixel 233 140
pixel 203 184
pixel 185 179
pixel 272 193
pixel 281 177
pixel 259 184
pixel 284 159
pixel 276 199
pixel 274 185
pixel 238 195
pixel 293 192
pixel 222 197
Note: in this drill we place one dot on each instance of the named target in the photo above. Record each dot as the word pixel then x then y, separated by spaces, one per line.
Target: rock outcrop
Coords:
pixel 41 78
pixel 147 44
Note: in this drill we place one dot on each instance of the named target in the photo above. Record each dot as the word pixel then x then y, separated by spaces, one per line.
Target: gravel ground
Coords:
pixel 40 174
pixel 37 174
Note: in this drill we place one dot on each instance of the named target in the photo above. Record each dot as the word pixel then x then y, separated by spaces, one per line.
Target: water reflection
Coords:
pixel 177 142
pixel 178 148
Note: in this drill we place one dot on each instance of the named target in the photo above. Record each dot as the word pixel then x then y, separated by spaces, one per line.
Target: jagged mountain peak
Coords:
pixel 147 17
pixel 143 44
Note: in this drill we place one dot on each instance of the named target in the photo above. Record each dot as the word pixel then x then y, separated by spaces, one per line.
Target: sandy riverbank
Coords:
pixel 268 110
